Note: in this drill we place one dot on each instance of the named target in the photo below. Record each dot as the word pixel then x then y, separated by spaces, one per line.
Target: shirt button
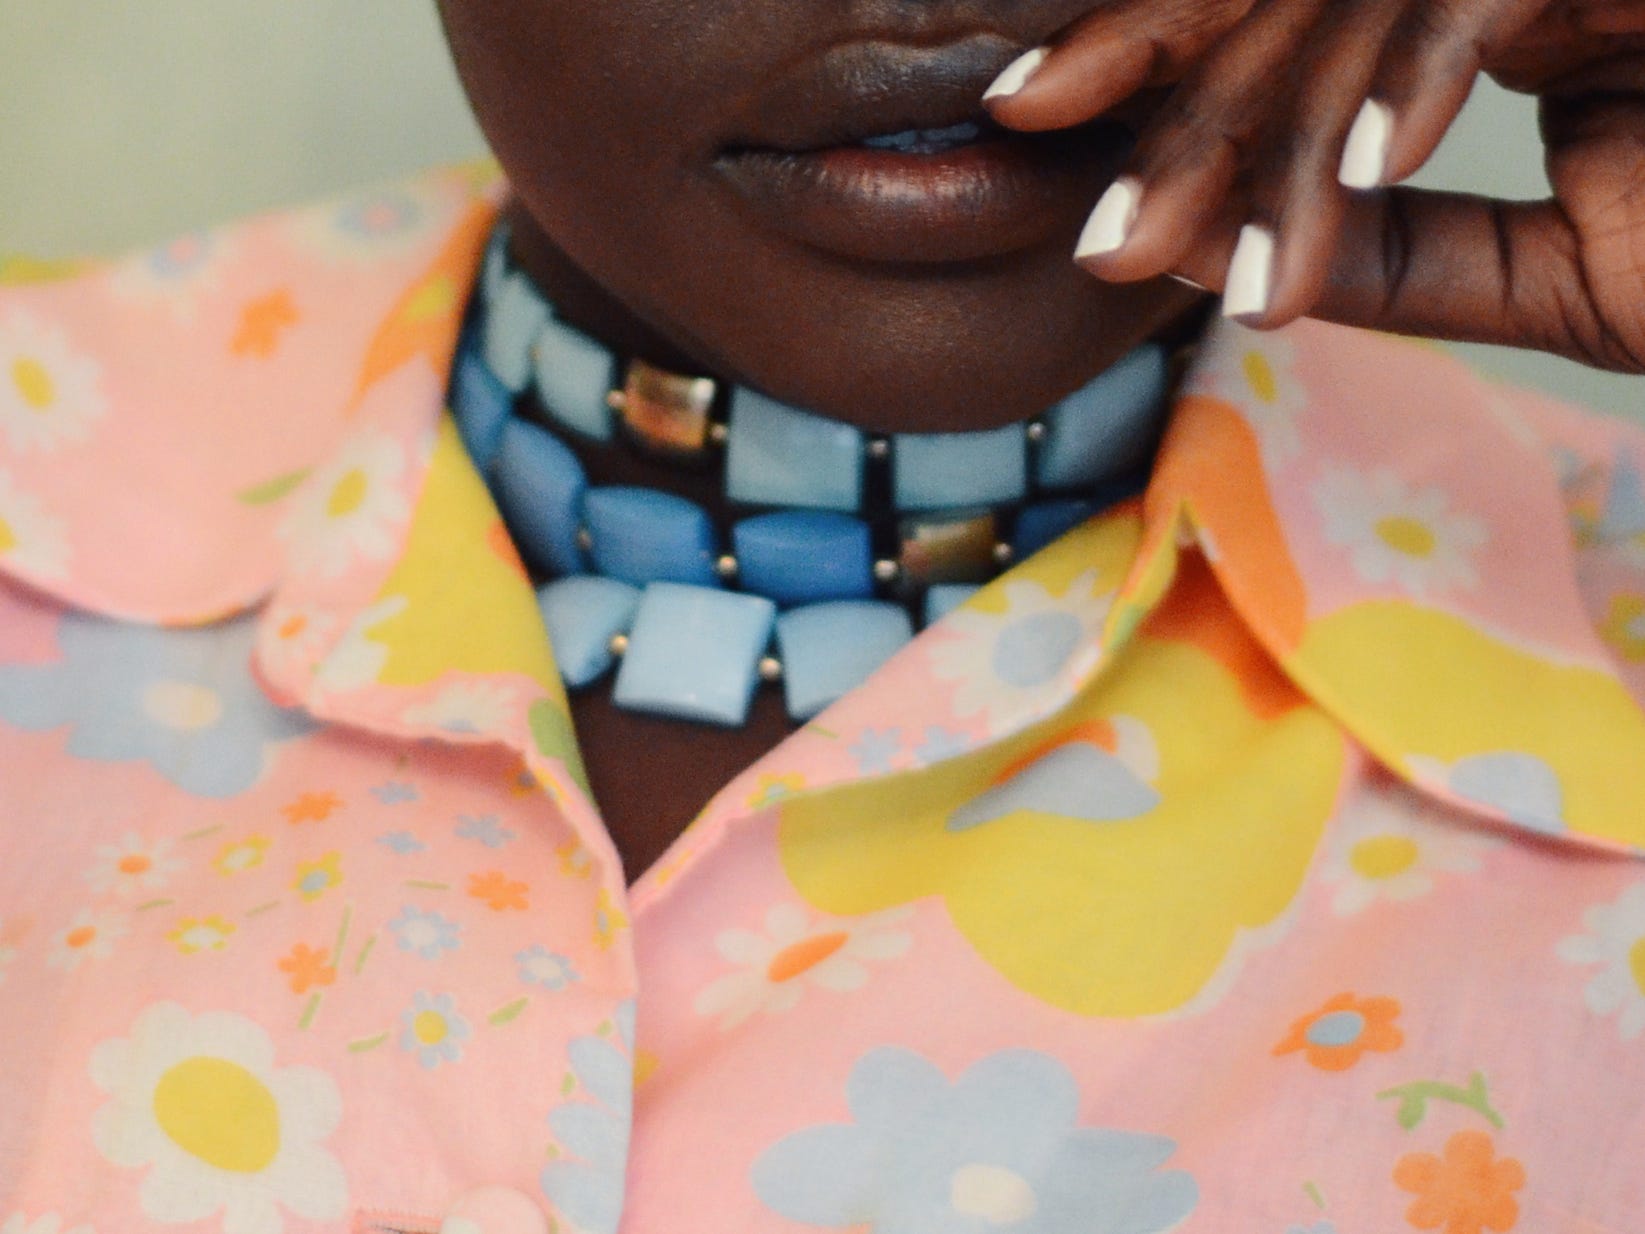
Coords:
pixel 495 1210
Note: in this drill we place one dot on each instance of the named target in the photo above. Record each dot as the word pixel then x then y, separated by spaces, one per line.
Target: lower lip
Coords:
pixel 1003 194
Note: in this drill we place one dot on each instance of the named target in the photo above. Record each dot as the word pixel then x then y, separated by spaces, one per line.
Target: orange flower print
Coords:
pixel 262 323
pixel 308 968
pixel 312 807
pixel 498 891
pixel 1467 1191
pixel 1337 1035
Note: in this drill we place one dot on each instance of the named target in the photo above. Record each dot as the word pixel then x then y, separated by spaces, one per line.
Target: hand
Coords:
pixel 1239 183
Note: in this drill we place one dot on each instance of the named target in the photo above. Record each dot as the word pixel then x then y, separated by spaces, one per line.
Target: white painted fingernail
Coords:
pixel 1250 274
pixel 1365 156
pixel 1016 74
pixel 1109 226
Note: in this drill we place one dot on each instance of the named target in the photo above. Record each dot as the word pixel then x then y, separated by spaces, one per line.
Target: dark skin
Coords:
pixel 613 121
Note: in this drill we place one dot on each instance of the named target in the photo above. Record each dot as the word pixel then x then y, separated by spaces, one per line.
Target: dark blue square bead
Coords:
pixel 1043 522
pixel 803 556
pixel 539 486
pixel 642 536
pixel 481 406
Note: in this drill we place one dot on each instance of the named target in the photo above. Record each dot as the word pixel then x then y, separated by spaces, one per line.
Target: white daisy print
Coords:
pixel 358 659
pixel 473 706
pixel 199 1103
pixel 1616 942
pixel 350 510
pixel 1392 845
pixel 49 393
pixel 46 1223
pixel 133 865
pixel 91 935
pixel 1013 664
pixel 1253 371
pixel 290 637
pixel 795 952
pixel 1400 534
pixel 30 539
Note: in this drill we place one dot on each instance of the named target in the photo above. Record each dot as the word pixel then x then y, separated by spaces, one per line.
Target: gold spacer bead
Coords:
pixel 886 570
pixel 1037 431
pixel 616 400
pixel 619 644
pixel 771 668
pixel 879 449
pixel 1003 553
pixel 585 539
pixel 726 567
pixel 718 433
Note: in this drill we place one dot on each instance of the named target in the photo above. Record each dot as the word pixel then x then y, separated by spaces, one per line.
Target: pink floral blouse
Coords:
pixel 1263 856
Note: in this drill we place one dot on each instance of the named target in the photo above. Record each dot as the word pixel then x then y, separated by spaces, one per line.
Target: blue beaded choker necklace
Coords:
pixel 843 540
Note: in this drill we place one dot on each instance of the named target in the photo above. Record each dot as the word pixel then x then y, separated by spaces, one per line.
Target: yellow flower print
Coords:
pixel 1076 877
pixel 575 860
pixel 315 878
pixel 238 856
pixel 200 1105
pixel 196 934
pixel 609 920
pixel 1624 627
pixel 770 789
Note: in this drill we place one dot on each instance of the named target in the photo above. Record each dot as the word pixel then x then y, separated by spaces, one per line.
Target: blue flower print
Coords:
pixel 486 828
pixel 429 934
pixel 432 1029
pixel 537 965
pixel 876 748
pixel 1319 1227
pixel 999 1148
pixel 588 1191
pixel 941 743
pixel 401 842
pixel 394 792
pixel 183 700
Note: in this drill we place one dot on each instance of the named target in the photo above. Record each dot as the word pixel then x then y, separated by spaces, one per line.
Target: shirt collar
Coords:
pixel 253 414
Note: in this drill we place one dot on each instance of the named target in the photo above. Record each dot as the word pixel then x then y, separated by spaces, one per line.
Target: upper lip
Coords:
pixel 864 89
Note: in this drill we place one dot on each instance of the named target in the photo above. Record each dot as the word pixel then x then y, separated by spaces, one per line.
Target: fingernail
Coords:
pixel 1188 282
pixel 1016 74
pixel 1365 155
pixel 1250 274
pixel 1110 223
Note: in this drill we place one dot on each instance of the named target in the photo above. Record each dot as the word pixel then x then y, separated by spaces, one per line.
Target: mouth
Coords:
pixel 881 151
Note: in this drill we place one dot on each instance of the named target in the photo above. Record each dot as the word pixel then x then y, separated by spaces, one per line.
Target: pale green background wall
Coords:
pixel 123 121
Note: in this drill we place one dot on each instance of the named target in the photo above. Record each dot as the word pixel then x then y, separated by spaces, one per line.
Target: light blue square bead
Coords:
pixel 514 316
pixel 804 556
pixel 777 455
pixel 1109 426
pixel 642 535
pixel 944 598
pixel 539 487
pixel 573 379
pixel 694 653
pixel 830 649
pixel 940 471
pixel 582 614
pixel 481 406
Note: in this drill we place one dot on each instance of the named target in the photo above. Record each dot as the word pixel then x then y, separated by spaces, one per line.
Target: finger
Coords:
pixel 1106 57
pixel 1185 163
pixel 1429 64
pixel 1297 202
pixel 1468 269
